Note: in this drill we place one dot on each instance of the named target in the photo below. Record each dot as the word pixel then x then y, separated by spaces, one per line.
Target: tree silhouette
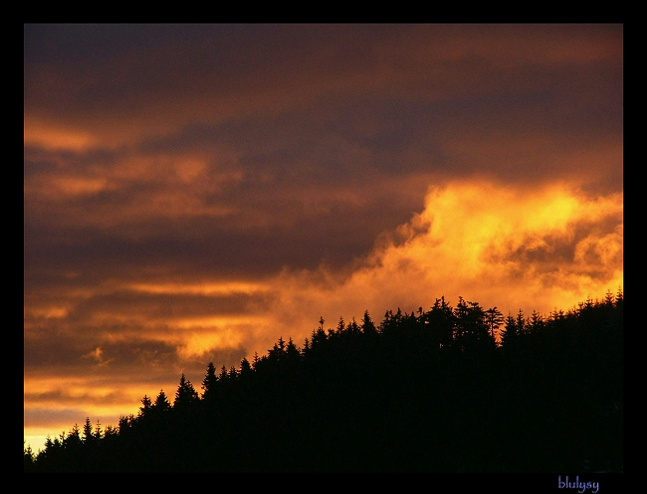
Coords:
pixel 162 404
pixel 426 391
pixel 367 326
pixel 185 396
pixel 493 320
pixel 88 436
pixel 209 383
pixel 146 407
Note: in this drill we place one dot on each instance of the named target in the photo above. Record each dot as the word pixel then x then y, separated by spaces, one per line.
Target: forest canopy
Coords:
pixel 448 389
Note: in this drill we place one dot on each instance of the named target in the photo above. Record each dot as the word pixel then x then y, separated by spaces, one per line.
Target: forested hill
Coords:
pixel 449 389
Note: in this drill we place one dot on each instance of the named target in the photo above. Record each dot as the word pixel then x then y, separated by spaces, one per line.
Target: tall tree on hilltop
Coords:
pixel 471 328
pixel 209 383
pixel 162 404
pixel 441 320
pixel 319 335
pixel 340 327
pixel 367 325
pixel 147 405
pixel 521 322
pixel 87 431
pixel 493 319
pixel 245 367
pixel 536 322
pixel 292 352
pixel 185 396
pixel 510 334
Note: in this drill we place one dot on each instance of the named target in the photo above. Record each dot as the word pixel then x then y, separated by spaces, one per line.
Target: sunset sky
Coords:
pixel 194 192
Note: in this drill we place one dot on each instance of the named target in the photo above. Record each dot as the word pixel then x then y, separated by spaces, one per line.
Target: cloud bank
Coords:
pixel 193 192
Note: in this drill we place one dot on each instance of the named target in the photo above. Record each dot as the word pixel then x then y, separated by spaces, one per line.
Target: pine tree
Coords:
pixel 245 368
pixel 609 299
pixel 185 396
pixel 147 404
pixel 162 403
pixel 98 431
pixel 521 322
pixel 29 458
pixel 493 319
pixel 472 331
pixel 232 375
pixel 209 383
pixel 87 431
pixel 319 336
pixel 292 352
pixel 340 327
pixel 536 323
pixel 353 327
pixel 441 321
pixel 367 325
pixel 510 333
pixel 223 376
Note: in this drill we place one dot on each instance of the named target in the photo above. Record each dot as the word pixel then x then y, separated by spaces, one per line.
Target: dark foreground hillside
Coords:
pixel 429 391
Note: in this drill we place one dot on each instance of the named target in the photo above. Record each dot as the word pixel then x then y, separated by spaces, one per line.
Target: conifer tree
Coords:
pixel 245 368
pixel 367 325
pixel 441 319
pixel 232 375
pixel 536 323
pixel 493 319
pixel 87 431
pixel 185 396
pixel 162 404
pixel 319 335
pixel 352 327
pixel 609 299
pixel 292 352
pixel 340 327
pixel 209 383
pixel 471 329
pixel 510 333
pixel 520 323
pixel 147 404
pixel 222 377
pixel 98 431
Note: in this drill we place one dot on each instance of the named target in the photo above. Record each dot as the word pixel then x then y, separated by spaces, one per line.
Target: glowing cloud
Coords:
pixel 530 249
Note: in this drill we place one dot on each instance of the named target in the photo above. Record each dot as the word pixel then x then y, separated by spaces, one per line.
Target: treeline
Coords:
pixel 449 389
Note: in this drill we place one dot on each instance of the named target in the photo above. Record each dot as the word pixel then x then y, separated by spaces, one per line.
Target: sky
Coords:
pixel 194 192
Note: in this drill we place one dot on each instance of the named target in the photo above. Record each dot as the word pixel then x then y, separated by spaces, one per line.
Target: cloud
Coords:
pixel 140 81
pixel 516 248
pixel 191 193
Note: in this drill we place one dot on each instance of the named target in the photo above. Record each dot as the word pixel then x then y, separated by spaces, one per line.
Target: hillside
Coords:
pixel 449 389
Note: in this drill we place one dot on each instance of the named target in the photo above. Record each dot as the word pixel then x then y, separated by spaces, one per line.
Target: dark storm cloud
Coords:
pixel 195 245
pixel 235 72
pixel 162 306
pixel 134 71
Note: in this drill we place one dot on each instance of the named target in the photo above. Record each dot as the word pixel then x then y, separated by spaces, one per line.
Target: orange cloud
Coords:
pixel 55 136
pixel 532 249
